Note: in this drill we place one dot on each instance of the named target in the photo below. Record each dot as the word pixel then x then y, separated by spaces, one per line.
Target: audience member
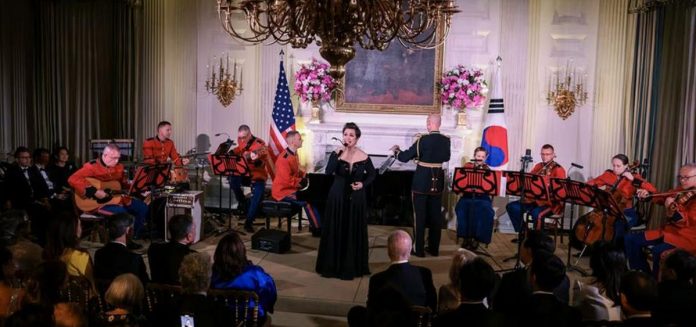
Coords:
pixel 476 282
pixel 125 295
pixel 448 297
pixel 638 293
pixel 598 300
pixel 114 258
pixel 69 315
pixel 515 285
pixel 63 242
pixel 10 296
pixel 26 193
pixel 31 315
pixel 61 169
pixel 676 291
pixel 232 270
pixel 165 258
pixel 41 182
pixel 46 282
pixel 543 308
pixel 195 273
pixel 402 283
pixel 26 254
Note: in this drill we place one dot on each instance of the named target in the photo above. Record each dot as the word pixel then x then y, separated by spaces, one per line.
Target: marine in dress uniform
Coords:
pixel 680 230
pixel 157 151
pixel 430 151
pixel 548 169
pixel 475 213
pixel 289 179
pixel 106 168
pixel 254 150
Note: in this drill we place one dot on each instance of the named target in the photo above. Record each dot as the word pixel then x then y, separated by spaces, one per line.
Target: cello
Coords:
pixel 598 225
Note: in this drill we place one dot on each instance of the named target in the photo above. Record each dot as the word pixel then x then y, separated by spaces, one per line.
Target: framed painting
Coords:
pixel 396 80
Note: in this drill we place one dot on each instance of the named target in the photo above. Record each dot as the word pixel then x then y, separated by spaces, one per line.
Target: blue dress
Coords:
pixel 253 278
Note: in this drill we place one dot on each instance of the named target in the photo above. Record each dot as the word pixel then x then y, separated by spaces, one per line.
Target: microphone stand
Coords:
pixel 525 160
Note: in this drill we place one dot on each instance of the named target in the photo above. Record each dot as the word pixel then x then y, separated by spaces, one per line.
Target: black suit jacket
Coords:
pixel 472 314
pixel 677 303
pixel 430 148
pixel 514 286
pixel 165 259
pixel 115 259
pixel 646 322
pixel 543 309
pixel 413 282
pixel 22 194
pixel 39 184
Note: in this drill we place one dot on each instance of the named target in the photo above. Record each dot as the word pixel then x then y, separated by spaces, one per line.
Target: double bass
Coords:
pixel 597 225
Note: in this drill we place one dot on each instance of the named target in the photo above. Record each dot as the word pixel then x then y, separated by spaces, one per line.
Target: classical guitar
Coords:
pixel 111 188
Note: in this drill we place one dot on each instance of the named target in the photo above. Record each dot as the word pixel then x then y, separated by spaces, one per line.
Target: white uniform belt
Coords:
pixel 429 164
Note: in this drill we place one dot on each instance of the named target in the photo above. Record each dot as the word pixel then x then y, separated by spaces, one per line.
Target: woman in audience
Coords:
pixel 599 299
pixel 60 170
pixel 232 270
pixel 676 303
pixel 63 244
pixel 10 297
pixel 448 295
pixel 125 295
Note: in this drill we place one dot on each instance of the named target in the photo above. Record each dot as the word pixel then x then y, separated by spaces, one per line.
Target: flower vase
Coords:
pixel 316 112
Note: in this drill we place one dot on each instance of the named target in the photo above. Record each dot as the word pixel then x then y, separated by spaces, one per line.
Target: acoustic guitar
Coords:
pixel 111 188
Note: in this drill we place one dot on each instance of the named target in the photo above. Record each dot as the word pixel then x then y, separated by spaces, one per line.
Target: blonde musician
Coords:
pixel 547 168
pixel 680 230
pixel 254 150
pixel 624 183
pixel 475 211
pixel 160 148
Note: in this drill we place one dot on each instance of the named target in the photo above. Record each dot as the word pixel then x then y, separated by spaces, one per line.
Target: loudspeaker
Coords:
pixel 271 240
pixel 187 203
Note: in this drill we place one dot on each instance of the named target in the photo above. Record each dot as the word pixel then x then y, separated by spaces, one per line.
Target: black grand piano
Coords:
pixel 389 196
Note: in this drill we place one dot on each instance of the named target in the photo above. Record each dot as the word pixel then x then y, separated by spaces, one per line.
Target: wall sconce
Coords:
pixel 566 90
pixel 224 86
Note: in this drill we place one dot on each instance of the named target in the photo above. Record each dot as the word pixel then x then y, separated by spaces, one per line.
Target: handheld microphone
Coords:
pixel 576 165
pixel 339 141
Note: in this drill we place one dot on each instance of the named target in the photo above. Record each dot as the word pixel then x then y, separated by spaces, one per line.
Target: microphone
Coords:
pixel 228 135
pixel 339 141
pixel 527 155
pixel 576 165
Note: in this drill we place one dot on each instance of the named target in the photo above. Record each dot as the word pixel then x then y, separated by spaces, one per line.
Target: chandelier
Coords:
pixel 337 25
pixel 224 86
pixel 566 91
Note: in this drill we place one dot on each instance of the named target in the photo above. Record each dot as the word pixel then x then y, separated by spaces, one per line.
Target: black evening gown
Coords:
pixel 343 249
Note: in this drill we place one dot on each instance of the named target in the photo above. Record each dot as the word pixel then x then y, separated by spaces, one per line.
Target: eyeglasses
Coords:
pixel 683 178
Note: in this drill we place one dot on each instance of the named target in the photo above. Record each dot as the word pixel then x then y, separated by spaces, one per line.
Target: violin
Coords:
pixel 680 201
pixel 548 168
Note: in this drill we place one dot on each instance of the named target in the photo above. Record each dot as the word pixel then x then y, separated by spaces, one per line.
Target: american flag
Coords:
pixel 283 117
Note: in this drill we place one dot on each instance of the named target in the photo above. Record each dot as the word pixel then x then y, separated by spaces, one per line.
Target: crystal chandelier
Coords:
pixel 337 25
pixel 224 86
pixel 566 91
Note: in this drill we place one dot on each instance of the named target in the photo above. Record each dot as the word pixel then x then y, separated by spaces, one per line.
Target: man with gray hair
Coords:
pixel 429 151
pixel 411 283
pixel 107 169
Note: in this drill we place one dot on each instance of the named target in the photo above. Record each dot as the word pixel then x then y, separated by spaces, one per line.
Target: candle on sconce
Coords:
pixel 241 76
pixel 234 75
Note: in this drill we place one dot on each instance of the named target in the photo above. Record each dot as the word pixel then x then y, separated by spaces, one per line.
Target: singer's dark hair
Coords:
pixel 548 146
pixel 243 128
pixel 481 149
pixel 622 157
pixel 163 123
pixel 352 126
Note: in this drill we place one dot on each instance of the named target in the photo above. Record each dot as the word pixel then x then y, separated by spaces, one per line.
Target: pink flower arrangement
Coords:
pixel 313 82
pixel 463 87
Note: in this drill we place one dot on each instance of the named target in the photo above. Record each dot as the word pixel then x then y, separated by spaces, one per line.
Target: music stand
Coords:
pixel 149 178
pixel 475 181
pixel 228 165
pixel 531 187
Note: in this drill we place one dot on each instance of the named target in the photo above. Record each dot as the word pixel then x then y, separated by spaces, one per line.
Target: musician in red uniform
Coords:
pixel 289 179
pixel 475 211
pixel 254 150
pixel 106 168
pixel 680 230
pixel 548 168
pixel 160 148
pixel 621 179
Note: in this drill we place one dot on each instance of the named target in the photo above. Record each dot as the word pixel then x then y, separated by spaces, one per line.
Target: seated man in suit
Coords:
pixel 114 258
pixel 413 283
pixel 515 285
pixel 638 299
pixel 477 282
pixel 165 258
pixel 543 308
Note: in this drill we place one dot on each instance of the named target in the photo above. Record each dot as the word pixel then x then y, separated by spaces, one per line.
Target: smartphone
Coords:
pixel 186 321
